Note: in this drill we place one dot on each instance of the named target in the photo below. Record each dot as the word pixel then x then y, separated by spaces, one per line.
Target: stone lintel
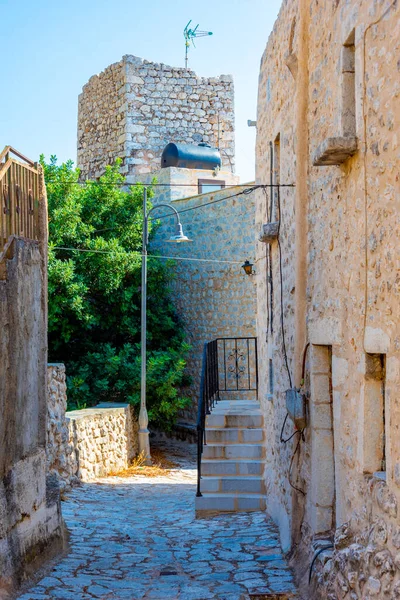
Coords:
pixel 334 151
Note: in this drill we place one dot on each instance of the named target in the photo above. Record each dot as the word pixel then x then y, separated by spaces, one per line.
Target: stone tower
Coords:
pixel 135 107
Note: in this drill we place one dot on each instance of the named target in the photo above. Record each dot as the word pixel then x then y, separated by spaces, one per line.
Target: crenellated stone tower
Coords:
pixel 135 107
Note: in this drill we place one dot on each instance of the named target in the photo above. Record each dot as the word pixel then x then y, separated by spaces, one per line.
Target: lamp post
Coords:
pixel 144 444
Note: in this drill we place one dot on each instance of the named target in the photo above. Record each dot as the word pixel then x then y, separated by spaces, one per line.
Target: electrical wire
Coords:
pixel 169 185
pixel 301 438
pixel 267 249
pixel 315 558
pixel 281 286
pixel 246 192
pixel 139 254
pixel 303 368
pixel 298 432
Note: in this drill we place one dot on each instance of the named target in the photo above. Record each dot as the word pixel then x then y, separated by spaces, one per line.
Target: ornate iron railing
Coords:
pixel 229 365
pixel 19 196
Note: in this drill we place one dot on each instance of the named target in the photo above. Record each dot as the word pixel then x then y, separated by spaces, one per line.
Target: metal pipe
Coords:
pixel 144 443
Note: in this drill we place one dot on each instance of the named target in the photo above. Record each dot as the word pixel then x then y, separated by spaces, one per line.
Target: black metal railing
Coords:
pixel 229 365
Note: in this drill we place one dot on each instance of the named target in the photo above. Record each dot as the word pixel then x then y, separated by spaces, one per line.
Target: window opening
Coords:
pixel 374 414
pixel 210 185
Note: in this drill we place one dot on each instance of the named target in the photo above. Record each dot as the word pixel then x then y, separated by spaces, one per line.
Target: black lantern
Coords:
pixel 248 268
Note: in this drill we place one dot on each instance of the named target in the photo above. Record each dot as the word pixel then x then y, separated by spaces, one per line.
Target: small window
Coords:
pixel 210 185
pixel 374 414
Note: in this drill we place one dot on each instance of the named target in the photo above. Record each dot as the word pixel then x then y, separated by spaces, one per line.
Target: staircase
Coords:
pixel 232 462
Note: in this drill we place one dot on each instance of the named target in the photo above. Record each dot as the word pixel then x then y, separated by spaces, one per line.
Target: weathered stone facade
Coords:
pixel 30 516
pixel 213 295
pixel 328 106
pixel 134 108
pixel 88 443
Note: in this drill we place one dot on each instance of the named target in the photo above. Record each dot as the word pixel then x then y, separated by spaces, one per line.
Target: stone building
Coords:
pixel 135 107
pixel 132 110
pixel 328 122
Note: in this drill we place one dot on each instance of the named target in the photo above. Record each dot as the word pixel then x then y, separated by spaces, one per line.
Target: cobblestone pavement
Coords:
pixel 138 538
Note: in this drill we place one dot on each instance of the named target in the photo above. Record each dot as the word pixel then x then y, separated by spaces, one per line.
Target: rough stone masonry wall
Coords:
pixel 353 305
pixel 135 107
pixel 60 451
pixel 104 438
pixel 213 298
pixel 88 443
pixel 275 117
pixel 30 514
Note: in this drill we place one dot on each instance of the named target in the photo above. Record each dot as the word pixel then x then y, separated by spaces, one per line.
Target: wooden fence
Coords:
pixel 19 196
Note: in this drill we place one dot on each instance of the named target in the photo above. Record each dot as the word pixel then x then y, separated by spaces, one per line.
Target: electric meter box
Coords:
pixel 296 407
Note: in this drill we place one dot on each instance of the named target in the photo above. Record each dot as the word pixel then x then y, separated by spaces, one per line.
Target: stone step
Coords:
pixel 232 467
pixel 217 503
pixel 235 435
pixel 249 484
pixel 227 406
pixel 245 420
pixel 222 451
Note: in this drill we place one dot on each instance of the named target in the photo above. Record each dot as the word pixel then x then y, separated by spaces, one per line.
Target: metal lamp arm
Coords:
pixel 176 214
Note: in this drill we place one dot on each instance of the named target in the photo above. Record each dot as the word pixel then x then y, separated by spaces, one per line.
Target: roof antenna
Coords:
pixel 190 35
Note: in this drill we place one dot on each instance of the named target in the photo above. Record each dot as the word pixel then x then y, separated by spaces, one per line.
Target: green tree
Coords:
pixel 95 232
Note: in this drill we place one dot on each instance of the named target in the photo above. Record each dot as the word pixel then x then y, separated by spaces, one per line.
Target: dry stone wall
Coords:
pixel 88 443
pixel 60 452
pixel 104 439
pixel 135 107
pixel 352 301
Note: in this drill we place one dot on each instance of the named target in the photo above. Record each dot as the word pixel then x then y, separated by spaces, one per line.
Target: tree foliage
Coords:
pixel 95 233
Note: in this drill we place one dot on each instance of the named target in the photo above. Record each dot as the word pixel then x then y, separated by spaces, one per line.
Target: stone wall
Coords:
pixel 339 235
pixel 213 296
pixel 104 439
pixel 60 451
pixel 30 515
pixel 134 108
pixel 88 443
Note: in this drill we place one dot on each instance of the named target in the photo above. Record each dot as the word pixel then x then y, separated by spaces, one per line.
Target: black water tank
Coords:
pixel 190 156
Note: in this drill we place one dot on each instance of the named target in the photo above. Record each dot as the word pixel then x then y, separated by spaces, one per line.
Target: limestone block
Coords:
pixel 376 341
pixel 323 476
pixel 340 370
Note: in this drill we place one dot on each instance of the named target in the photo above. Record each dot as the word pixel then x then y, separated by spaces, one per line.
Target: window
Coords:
pixel 374 414
pixel 210 185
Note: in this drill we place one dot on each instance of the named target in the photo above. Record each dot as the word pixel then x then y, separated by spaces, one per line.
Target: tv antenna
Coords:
pixel 189 35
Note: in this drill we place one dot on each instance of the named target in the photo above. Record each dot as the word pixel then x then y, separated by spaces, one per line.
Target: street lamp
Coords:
pixel 144 444
pixel 248 268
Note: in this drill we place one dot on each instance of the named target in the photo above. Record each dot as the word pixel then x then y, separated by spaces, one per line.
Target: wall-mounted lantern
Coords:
pixel 248 268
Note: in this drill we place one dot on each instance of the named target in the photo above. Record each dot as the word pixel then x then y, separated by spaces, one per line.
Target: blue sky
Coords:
pixel 51 48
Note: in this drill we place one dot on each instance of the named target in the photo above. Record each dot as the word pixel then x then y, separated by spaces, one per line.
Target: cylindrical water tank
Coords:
pixel 190 156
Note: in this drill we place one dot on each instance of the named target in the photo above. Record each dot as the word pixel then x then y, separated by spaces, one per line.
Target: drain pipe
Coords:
pixel 301 200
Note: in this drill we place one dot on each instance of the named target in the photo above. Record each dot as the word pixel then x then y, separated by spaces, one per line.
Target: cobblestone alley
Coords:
pixel 138 538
